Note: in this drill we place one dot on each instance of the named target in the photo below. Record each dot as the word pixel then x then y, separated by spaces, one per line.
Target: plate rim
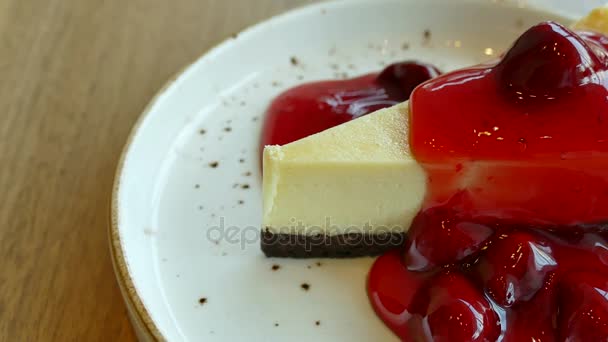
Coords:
pixel 141 320
pixel 143 324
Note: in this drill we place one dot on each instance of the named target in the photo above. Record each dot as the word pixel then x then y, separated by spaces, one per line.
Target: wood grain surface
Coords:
pixel 74 76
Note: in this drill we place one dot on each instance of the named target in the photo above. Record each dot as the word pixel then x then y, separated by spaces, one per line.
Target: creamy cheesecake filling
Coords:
pixel 359 177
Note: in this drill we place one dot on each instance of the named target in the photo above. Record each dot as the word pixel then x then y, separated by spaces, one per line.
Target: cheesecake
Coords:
pixel 489 186
pixel 351 190
pixel 355 189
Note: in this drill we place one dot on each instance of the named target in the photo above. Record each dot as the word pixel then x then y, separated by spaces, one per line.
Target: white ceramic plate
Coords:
pixel 183 230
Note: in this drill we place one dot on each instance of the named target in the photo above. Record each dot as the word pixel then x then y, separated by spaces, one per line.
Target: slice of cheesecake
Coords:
pixel 351 190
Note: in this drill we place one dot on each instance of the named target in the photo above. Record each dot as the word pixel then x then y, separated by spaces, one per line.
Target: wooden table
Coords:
pixel 74 76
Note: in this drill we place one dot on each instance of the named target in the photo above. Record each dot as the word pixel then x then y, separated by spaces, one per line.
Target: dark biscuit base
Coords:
pixel 323 246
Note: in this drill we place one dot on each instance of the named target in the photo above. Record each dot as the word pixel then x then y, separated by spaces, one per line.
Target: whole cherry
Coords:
pixel 458 237
pixel 546 62
pixel 515 266
pixel 400 79
pixel 452 309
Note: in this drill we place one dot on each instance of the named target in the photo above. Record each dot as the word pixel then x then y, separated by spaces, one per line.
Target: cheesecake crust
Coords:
pixel 349 245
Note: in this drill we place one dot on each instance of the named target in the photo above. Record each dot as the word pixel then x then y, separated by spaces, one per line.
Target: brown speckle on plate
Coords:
pixel 247 174
pixel 242 160
pixel 294 61
pixel 276 324
pixel 427 34
pixel 214 164
pixel 197 186
pixel 317 323
pixel 318 263
pixel 254 119
pixel 202 300
pixel 228 129
pixel 275 84
pixel 241 202
pixel 405 46
pixel 244 186
pixel 202 131
pixel 276 267
pixel 305 286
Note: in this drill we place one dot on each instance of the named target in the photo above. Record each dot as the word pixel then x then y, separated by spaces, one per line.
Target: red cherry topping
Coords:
pixel 391 291
pixel 459 238
pixel 401 79
pixel 452 309
pixel 515 266
pixel 526 136
pixel 548 61
pixel 583 312
pixel 535 319
pixel 314 107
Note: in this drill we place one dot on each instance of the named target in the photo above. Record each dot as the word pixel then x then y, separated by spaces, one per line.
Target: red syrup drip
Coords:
pixel 510 244
pixel 315 107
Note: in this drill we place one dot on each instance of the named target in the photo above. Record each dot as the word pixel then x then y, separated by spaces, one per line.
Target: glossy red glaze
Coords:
pixel 517 157
pixel 527 136
pixel 315 107
pixel 451 308
pixel 448 226
pixel 392 289
pixel 584 307
pixel 530 279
